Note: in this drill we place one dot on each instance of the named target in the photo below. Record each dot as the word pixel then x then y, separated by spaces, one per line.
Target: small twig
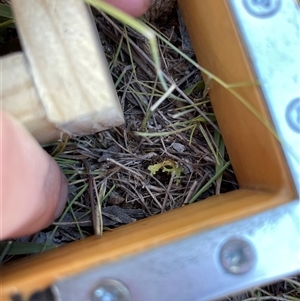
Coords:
pixel 134 191
pixel 5 251
pixel 91 197
pixel 155 188
pixel 191 191
pixel 121 146
pixel 186 77
pixel 98 211
pixel 125 91
pixel 205 187
pixel 130 170
pixel 166 95
pixel 168 192
pixel 70 223
pixel 153 197
pixel 200 184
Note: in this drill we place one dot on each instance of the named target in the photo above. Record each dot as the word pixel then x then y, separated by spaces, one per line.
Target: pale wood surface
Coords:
pixel 67 69
pixel 19 97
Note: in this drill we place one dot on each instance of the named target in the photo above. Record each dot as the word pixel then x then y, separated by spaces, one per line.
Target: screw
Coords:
pixel 111 290
pixel 292 115
pixel 237 256
pixel 262 8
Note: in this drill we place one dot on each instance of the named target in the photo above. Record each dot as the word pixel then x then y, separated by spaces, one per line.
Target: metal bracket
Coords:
pixel 205 266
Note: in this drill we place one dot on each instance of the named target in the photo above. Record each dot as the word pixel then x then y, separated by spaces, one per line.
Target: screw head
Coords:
pixel 292 115
pixel 111 290
pixel 237 256
pixel 262 8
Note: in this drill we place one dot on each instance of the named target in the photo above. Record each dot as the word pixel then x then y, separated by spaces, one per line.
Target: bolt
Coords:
pixel 237 256
pixel 111 290
pixel 262 8
pixel 292 115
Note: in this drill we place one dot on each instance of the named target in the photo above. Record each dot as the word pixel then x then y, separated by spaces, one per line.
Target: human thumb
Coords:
pixel 33 190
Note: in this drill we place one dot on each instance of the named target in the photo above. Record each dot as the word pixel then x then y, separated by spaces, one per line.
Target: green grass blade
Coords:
pixel 22 248
pixel 4 249
pixel 6 23
pixel 198 86
pixel 60 147
pixel 115 58
pixel 77 224
pixel 206 186
pixel 162 134
pixel 220 155
pixel 70 204
pixel 5 11
pixel 291 298
pixel 203 132
pixel 192 134
pixel 129 52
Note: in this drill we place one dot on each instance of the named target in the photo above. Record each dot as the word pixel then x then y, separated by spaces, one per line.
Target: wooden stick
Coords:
pixel 68 87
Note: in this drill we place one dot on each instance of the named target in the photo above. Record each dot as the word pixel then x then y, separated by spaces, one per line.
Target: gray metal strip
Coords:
pixel 196 268
pixel 271 33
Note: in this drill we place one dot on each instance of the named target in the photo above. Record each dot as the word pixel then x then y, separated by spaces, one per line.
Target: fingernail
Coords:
pixel 64 188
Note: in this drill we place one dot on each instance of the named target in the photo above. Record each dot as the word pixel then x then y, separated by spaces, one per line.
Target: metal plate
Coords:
pixel 192 269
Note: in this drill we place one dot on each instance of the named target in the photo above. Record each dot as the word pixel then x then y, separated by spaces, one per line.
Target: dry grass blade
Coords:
pixel 98 222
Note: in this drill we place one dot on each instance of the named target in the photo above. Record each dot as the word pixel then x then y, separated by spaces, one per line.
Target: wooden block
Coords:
pixel 67 67
pixel 19 97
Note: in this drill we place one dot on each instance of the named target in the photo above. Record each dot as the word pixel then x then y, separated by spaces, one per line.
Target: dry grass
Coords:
pixel 133 176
